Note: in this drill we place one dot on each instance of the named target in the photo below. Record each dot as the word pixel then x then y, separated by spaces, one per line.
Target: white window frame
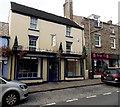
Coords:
pixel 99 41
pixel 33 22
pixel 98 22
pixel 68 30
pixel 113 43
pixel 112 30
pixel 69 50
pixel 53 40
pixel 32 43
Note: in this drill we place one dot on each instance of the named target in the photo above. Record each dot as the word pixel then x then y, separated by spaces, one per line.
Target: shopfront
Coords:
pixel 100 60
pixel 39 67
pixel 4 46
pixel 73 67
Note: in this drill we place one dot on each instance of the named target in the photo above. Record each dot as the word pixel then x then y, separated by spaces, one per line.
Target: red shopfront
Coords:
pixel 98 61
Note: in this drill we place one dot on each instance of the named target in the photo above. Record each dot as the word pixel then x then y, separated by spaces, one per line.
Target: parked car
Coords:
pixel 12 92
pixel 111 75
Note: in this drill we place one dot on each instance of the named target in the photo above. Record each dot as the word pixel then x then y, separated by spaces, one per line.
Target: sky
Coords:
pixel 107 9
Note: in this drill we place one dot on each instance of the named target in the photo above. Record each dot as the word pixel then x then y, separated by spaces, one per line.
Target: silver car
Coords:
pixel 11 92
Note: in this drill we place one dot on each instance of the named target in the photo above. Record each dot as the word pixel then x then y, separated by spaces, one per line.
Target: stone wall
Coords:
pixel 4 29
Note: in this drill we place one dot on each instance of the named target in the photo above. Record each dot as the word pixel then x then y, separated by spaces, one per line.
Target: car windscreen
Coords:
pixel 114 71
pixel 6 78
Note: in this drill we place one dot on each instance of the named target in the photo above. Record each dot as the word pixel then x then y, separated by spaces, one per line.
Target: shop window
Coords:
pixel 28 68
pixel 99 66
pixel 3 42
pixel 113 63
pixel 73 67
pixel 33 23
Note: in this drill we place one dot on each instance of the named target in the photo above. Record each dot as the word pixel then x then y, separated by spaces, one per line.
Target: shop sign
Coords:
pixel 100 55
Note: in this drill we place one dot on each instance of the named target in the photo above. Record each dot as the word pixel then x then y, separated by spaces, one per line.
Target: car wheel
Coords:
pixel 10 99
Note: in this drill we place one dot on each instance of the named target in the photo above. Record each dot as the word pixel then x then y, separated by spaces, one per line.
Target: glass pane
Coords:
pixel 73 68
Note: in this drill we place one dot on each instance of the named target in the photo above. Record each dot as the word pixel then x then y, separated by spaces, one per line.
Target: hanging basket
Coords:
pixel 5 51
pixel 22 53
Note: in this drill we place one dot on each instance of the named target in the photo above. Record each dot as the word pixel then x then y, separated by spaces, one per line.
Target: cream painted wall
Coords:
pixel 9 67
pixel 62 69
pixel 48 28
pixel 13 68
pixel 20 24
pixel 45 69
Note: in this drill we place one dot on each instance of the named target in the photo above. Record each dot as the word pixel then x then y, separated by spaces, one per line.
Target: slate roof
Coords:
pixel 25 10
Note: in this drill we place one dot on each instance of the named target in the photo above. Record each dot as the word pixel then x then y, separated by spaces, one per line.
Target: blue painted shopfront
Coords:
pixel 4 41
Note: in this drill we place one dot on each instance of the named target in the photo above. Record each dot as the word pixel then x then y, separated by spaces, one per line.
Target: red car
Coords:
pixel 111 75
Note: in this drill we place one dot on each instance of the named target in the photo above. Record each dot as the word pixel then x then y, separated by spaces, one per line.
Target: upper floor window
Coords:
pixel 112 42
pixel 53 40
pixel 96 20
pixel 68 47
pixel 112 30
pixel 68 31
pixel 97 40
pixel 32 43
pixel 33 23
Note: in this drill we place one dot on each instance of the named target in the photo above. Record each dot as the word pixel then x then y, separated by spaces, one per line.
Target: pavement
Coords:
pixel 51 86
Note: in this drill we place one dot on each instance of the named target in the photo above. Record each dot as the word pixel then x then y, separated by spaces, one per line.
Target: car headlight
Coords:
pixel 116 79
pixel 23 86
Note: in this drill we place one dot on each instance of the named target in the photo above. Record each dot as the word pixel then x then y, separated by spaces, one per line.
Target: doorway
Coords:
pixel 53 70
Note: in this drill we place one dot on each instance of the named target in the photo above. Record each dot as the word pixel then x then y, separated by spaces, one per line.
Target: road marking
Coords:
pixel 107 93
pixel 91 96
pixel 50 104
pixel 75 99
pixel 118 91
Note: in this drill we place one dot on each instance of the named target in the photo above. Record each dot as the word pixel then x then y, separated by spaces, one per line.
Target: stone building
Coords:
pixel 4 43
pixel 102 42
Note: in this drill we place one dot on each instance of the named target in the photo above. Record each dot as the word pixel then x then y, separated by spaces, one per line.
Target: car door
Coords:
pixel 109 76
pixel 2 88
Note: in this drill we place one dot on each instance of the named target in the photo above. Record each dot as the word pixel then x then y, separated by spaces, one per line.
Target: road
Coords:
pixel 110 98
pixel 96 94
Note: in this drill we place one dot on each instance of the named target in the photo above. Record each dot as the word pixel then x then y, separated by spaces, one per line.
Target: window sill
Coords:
pixel 112 33
pixel 69 36
pixel 73 76
pixel 97 26
pixel 29 78
pixel 34 30
pixel 98 46
pixel 113 48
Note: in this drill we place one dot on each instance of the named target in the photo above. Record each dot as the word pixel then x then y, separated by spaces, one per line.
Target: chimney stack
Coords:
pixel 68 9
pixel 109 22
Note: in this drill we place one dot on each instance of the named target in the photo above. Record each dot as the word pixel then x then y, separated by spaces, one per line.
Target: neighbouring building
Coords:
pixel 46 47
pixel 101 41
pixel 4 46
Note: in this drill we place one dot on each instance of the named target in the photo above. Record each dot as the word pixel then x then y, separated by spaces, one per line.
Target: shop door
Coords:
pixel 5 69
pixel 53 71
